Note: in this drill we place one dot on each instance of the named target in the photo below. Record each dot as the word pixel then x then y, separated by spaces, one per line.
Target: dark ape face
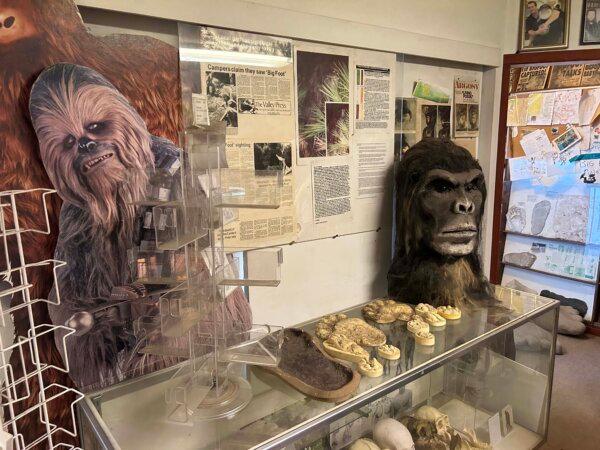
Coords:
pixel 451 204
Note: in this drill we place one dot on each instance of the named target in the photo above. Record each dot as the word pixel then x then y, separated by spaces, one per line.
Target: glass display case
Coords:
pixel 490 373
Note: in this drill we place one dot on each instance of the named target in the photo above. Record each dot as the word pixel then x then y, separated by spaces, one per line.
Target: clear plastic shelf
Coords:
pixel 184 306
pixel 259 189
pixel 261 267
pixel 260 345
pixel 177 224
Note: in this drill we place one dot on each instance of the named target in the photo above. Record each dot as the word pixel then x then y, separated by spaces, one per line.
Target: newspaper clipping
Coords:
pixel 255 103
pixel 372 98
pixel 331 191
pixel 466 107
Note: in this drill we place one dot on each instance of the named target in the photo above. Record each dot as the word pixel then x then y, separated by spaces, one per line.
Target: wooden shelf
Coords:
pixel 567 241
pixel 551 274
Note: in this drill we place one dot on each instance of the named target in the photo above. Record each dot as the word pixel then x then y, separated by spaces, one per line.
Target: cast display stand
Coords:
pixel 192 320
pixel 26 369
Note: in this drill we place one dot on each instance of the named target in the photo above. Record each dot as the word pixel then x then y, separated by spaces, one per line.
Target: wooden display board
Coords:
pixel 502 189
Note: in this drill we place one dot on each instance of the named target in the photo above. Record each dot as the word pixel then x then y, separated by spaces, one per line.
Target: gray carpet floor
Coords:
pixel 575 408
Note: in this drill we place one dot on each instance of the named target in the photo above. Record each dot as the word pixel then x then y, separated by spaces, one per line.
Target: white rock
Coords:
pixel 364 444
pixel 391 434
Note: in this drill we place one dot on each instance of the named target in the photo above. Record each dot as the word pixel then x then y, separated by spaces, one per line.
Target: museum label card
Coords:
pixel 536 142
pixel 200 109
pixel 495 429
pixel 565 76
pixel 566 106
pixel 539 108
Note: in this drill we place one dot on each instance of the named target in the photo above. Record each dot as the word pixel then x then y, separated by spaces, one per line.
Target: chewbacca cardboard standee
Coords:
pixel 440 198
pixel 100 156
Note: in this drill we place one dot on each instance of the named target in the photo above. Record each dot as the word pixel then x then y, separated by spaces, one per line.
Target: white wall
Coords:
pixel 328 275
pixel 465 30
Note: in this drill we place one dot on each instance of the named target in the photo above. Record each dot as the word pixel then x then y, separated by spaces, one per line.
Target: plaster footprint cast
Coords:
pixel 370 368
pixel 402 310
pixel 339 346
pixel 360 332
pixel 416 325
pixel 380 311
pixel 424 338
pixel 388 351
pixel 324 328
pixel 449 312
pixel 423 308
pixel 434 319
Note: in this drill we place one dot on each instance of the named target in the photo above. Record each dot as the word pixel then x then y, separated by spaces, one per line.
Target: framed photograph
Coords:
pixel 544 24
pixel 590 22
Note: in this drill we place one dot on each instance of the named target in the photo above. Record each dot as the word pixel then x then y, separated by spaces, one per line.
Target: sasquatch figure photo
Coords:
pixel 440 197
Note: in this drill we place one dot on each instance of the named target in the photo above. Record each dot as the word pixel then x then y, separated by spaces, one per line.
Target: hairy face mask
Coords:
pixel 451 207
pixel 440 198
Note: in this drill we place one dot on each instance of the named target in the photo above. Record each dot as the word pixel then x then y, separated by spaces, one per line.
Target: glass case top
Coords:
pixel 134 413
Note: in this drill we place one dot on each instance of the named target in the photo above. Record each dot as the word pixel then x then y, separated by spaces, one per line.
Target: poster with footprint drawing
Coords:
pixel 548 214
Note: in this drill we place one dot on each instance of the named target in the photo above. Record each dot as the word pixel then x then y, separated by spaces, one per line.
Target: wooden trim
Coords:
pixel 497 235
pixel 551 57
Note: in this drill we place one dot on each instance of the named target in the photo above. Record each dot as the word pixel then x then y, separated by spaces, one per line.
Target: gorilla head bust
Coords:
pixel 440 198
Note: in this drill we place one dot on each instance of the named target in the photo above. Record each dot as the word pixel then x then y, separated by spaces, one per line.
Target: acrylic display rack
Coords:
pixel 27 368
pixel 191 321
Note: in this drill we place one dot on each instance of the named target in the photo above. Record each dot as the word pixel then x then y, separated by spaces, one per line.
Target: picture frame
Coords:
pixel 544 25
pixel 590 24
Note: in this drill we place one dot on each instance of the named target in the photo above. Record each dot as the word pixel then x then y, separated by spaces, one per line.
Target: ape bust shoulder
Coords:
pixel 440 198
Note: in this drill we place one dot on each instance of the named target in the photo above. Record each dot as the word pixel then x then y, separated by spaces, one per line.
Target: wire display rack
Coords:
pixel 21 367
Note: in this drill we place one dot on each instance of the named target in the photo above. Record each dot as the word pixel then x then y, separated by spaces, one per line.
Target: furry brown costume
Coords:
pixel 440 198
pixel 42 33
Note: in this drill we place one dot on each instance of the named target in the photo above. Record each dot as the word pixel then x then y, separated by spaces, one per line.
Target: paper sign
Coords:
pixel 507 422
pixel 522 102
pixel 589 171
pixel 585 133
pixel 200 109
pixel 566 106
pixel 588 105
pixel 511 113
pixel 536 142
pixel 539 108
pixel 495 429
pixel 527 167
